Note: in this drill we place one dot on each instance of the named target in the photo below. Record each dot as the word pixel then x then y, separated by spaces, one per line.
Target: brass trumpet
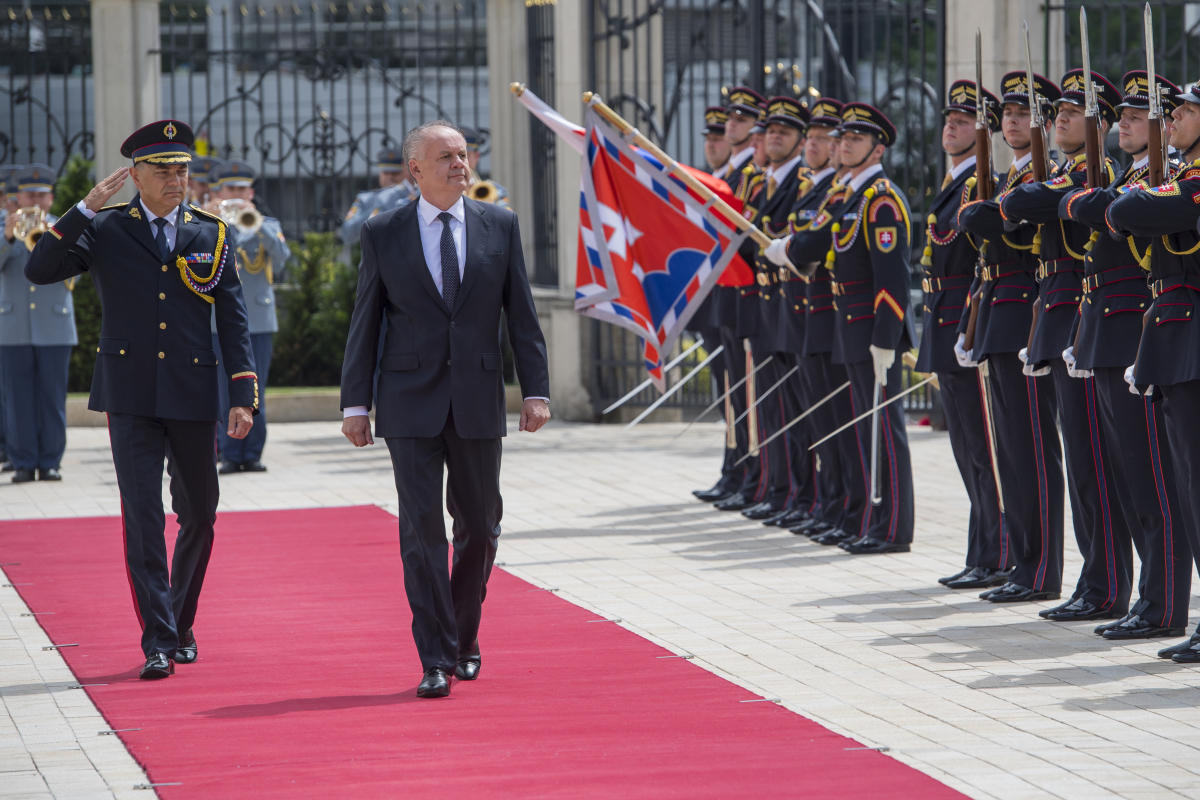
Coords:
pixel 483 191
pixel 241 215
pixel 30 225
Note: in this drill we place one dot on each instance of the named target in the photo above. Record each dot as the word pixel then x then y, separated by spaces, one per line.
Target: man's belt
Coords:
pixel 1066 264
pixel 840 289
pixel 931 285
pixel 993 271
pixel 1171 284
pixel 1093 282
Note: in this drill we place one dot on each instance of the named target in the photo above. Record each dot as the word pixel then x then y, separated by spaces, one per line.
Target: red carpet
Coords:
pixel 307 671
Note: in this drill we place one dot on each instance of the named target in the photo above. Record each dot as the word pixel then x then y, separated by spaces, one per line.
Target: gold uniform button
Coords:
pixel 1106 311
pixel 33 288
pixel 33 305
pixel 162 296
pixel 162 326
pixel 164 267
pixel 161 354
pixel 122 352
pixel 195 361
pixel 97 349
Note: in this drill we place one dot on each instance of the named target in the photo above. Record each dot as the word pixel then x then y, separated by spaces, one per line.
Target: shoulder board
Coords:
pixel 1190 172
pixel 113 206
pixel 749 169
pixel 204 213
pixel 884 186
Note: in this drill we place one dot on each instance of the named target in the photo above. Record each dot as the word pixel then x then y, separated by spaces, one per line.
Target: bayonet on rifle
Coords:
pixel 1097 174
pixel 1157 167
pixel 1040 161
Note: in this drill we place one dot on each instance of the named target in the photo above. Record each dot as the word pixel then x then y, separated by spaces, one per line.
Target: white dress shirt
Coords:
pixel 962 167
pixel 783 170
pixel 431 245
pixel 735 163
pixel 860 180
pixel 1020 163
pixel 170 229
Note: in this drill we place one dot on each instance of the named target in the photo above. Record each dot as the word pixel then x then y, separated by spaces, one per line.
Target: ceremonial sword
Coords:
pixel 676 387
pixel 764 397
pixel 648 381
pixel 728 392
pixel 811 409
pixel 869 412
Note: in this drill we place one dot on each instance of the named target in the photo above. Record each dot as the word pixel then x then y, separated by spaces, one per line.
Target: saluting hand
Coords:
pixel 105 189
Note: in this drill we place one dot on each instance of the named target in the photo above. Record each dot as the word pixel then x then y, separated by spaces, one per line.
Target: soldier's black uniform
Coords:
pixel 1029 453
pixel 949 269
pixel 1107 328
pixel 156 376
pixel 1098 521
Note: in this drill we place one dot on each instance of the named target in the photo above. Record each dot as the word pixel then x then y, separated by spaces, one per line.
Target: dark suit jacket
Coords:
pixel 155 357
pixel 433 358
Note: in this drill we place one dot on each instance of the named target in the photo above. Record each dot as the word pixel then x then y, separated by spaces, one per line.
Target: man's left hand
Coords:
pixel 534 414
pixel 241 420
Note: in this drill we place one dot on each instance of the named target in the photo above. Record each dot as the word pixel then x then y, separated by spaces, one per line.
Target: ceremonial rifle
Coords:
pixel 1037 123
pixel 1097 174
pixel 985 187
pixel 1157 169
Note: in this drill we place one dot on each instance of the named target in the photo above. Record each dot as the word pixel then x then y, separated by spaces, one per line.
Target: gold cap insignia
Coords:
pixel 170 131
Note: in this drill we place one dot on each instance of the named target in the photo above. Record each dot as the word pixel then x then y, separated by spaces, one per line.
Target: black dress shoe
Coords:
pixel 811 527
pixel 467 668
pixel 1081 610
pixel 253 466
pixel 712 495
pixel 1016 593
pixel 835 536
pixel 797 516
pixel 228 468
pixel 8 466
pixel 436 683
pixel 23 476
pixel 1191 655
pixel 955 576
pixel 761 511
pixel 187 652
pixel 980 578
pixel 779 516
pixel 1134 627
pixel 1100 629
pixel 1186 644
pixel 735 502
pixel 157 666
pixel 1046 612
pixel 49 475
pixel 868 546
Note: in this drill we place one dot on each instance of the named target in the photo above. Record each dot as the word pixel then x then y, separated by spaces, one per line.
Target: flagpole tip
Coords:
pixel 517 88
pixel 587 97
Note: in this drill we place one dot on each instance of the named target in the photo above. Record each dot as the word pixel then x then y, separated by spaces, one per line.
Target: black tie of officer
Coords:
pixel 161 239
pixel 450 278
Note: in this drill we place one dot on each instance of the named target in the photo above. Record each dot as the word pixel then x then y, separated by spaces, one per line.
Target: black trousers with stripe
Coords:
pixel 1101 532
pixel 165 601
pixel 1181 413
pixel 836 462
pixel 795 396
pixel 771 411
pixel 748 475
pixel 966 424
pixel 1030 471
pixel 1144 476
pixel 892 519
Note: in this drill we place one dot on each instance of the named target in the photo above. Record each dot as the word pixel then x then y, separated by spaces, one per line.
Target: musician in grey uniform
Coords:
pixel 261 256
pixel 7 199
pixel 481 190
pixel 396 188
pixel 37 332
pixel 201 167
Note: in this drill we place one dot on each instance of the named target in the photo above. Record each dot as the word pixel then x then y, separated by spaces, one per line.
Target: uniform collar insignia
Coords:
pixel 133 212
pixel 187 217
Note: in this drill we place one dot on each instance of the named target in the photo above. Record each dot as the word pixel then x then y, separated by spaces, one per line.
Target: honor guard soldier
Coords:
pixel 949 262
pixel 792 495
pixel 1061 246
pixel 395 189
pixel 262 252
pixel 160 268
pixel 869 233
pixel 716 148
pixel 200 168
pixel 37 332
pixel 8 201
pixel 745 106
pixel 1104 341
pixel 481 190
pixel 1167 365
pixel 1028 452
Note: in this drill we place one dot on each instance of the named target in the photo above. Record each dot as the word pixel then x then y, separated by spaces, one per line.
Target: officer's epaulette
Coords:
pixel 114 205
pixel 208 214
pixel 881 194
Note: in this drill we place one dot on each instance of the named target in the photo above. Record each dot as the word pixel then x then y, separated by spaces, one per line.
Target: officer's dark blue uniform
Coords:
pixel 1029 453
pixel 156 376
pixel 1098 521
pixel 1107 329
pixel 949 263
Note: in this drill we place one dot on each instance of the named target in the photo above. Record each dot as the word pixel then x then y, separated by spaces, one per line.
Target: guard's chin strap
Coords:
pixel 1191 147
pixel 860 163
pixel 963 152
pixel 1076 150
pixel 743 141
pixel 1145 147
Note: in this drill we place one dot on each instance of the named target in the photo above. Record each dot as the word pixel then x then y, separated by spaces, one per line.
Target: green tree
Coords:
pixel 74 184
pixel 314 315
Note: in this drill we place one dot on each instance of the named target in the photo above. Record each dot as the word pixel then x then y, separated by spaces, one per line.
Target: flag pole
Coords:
pixel 734 218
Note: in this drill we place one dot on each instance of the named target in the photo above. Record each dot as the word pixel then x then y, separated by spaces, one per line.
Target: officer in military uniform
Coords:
pixel 949 260
pixel 8 202
pixel 262 255
pixel 201 168
pixel 160 268
pixel 1098 521
pixel 1167 365
pixel 1029 454
pixel 396 188
pixel 869 234
pixel 1104 342
pixel 37 332
pixel 716 148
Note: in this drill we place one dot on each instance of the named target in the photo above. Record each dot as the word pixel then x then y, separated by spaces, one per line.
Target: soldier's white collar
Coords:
pixel 962 167
pixel 817 177
pixel 1141 162
pixel 1020 163
pixel 170 216
pixel 737 160
pixel 786 169
pixel 860 180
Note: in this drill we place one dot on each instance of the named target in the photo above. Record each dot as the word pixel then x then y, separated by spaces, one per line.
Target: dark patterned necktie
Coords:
pixel 161 239
pixel 450 279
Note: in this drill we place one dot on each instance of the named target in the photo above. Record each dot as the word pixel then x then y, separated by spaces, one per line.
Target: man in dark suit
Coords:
pixel 441 271
pixel 160 266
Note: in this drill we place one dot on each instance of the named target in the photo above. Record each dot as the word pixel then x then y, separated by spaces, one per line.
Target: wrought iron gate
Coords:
pixel 660 62
pixel 309 92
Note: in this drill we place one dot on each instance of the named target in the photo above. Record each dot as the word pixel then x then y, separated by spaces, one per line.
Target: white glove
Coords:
pixel 1069 358
pixel 776 252
pixel 883 360
pixel 963 356
pixel 1131 380
pixel 1028 368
